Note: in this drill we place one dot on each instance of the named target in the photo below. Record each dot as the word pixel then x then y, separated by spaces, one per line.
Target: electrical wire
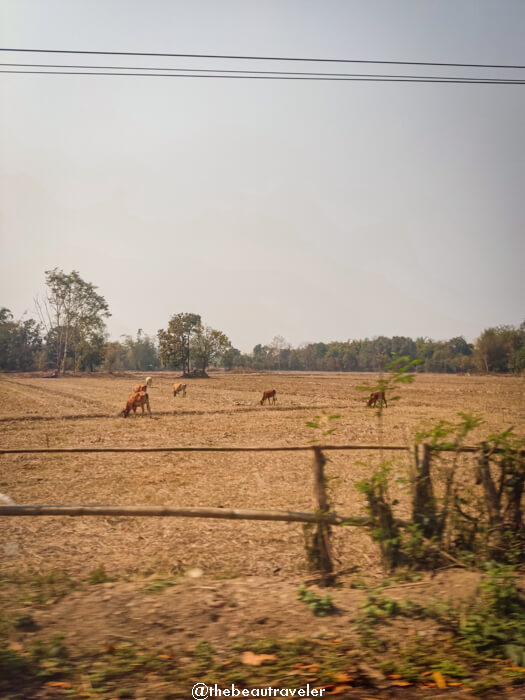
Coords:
pixel 255 72
pixel 265 58
pixel 467 81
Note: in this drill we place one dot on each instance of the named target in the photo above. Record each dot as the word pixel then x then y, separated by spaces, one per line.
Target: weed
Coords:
pixel 99 576
pixel 494 624
pixel 24 622
pixel 319 605
pixel 203 654
pixel 14 668
pixel 322 423
pixel 158 586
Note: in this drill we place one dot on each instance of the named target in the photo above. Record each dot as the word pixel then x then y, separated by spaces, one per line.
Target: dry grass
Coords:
pixel 221 411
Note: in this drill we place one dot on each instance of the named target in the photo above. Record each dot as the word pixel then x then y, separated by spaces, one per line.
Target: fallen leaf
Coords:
pixel 57 684
pixel 314 668
pixel 427 673
pixel 343 677
pixel 455 684
pixel 401 684
pixel 519 669
pixel 440 681
pixel 164 656
pixel 338 689
pixel 251 659
pixel 394 676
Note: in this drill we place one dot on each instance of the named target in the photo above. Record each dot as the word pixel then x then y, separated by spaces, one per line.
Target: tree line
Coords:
pixel 69 334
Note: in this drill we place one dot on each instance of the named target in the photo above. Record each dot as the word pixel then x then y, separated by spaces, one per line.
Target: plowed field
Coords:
pixel 221 411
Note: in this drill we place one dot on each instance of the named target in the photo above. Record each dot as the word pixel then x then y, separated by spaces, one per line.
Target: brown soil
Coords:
pixel 216 611
pixel 247 572
pixel 221 411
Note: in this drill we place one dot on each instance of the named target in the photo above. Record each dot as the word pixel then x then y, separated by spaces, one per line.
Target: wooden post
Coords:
pixel 495 532
pixel 319 482
pixel 318 546
pixel 424 511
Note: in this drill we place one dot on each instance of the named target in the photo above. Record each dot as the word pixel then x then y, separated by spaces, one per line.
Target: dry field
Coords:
pixel 221 411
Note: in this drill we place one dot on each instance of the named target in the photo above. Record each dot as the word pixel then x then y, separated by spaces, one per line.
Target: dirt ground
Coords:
pixel 221 411
pixel 180 581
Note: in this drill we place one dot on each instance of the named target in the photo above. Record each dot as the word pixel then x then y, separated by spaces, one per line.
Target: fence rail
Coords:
pixel 318 546
pixel 282 448
pixel 186 512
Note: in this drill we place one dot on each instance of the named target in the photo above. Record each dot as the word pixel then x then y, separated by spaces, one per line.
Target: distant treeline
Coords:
pixel 70 335
pixel 23 348
pixel 500 349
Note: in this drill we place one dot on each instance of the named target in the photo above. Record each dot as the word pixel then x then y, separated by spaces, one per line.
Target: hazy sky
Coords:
pixel 313 210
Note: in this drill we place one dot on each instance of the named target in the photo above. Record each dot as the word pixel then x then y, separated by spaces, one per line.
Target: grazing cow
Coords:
pixel 376 396
pixel 178 388
pixel 136 400
pixel 140 387
pixel 267 395
pixel 149 381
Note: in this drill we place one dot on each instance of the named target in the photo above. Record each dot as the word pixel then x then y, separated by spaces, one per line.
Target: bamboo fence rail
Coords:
pixel 281 448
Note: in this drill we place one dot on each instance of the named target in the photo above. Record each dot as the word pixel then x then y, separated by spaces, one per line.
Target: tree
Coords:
pixel 175 341
pixel 498 349
pixel 208 345
pixel 140 354
pixel 279 351
pixel 112 355
pixel 232 358
pixel 73 315
pixel 20 342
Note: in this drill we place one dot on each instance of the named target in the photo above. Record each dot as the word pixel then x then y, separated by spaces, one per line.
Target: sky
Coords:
pixel 311 210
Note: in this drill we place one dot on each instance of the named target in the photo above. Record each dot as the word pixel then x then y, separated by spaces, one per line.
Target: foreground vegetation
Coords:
pixel 481 648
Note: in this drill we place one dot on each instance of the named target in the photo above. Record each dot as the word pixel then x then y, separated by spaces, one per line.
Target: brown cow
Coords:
pixel 376 396
pixel 179 388
pixel 136 400
pixel 267 395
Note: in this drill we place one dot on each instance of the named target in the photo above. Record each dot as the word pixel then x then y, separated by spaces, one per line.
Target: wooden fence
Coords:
pixel 322 518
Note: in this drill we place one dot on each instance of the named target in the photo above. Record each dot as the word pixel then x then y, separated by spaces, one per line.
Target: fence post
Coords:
pixel 424 512
pixel 318 541
pixel 492 501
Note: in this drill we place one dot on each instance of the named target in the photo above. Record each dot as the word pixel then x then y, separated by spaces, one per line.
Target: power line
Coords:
pixel 266 58
pixel 467 81
pixel 254 73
